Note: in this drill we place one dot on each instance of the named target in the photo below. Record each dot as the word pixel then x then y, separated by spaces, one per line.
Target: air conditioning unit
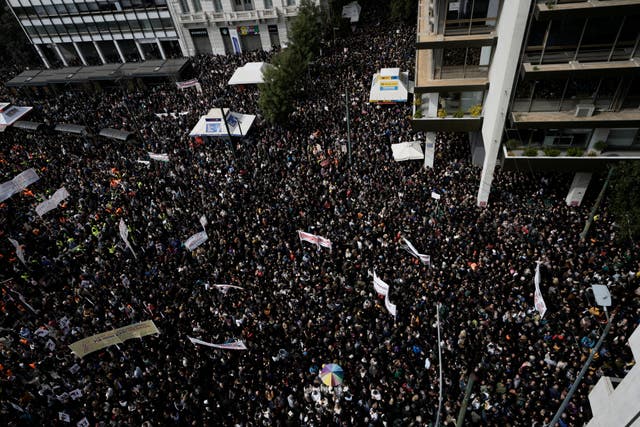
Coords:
pixel 585 110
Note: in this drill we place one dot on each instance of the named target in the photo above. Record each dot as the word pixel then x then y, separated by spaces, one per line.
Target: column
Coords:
pixel 429 149
pixel 215 38
pixel 161 49
pixel 95 44
pixel 502 73
pixel 283 33
pixel 140 50
pixel 578 188
pixel 62 58
pixel 122 58
pixel 265 37
pixel 41 55
pixel 79 52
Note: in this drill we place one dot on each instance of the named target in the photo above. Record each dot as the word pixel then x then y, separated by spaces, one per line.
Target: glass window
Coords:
pixel 197 7
pixel 217 6
pixel 268 4
pixel 291 2
pixel 184 6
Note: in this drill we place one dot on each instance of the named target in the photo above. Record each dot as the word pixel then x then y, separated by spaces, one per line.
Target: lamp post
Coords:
pixel 603 298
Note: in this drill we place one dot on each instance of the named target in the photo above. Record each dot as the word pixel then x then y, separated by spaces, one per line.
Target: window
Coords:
pixel 197 7
pixel 268 4
pixel 184 6
pixel 291 2
pixel 217 6
pixel 248 5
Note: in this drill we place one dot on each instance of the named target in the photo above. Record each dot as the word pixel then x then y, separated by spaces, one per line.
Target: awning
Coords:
pixel 215 124
pixel 119 135
pixel 154 68
pixel 250 73
pixel 389 86
pixel 407 151
pixel 22 124
pixel 23 79
pixel 70 128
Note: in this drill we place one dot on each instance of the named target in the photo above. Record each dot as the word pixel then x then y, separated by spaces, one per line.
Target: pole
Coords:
pixel 596 205
pixel 440 364
pixel 346 100
pixel 463 406
pixel 576 383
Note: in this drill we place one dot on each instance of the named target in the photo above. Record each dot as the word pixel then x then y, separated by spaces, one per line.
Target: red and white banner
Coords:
pixel 236 345
pixel 379 285
pixel 537 296
pixel 187 83
pixel 324 242
pixel 308 237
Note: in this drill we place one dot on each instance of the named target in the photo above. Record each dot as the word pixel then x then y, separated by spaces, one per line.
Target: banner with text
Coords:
pixel 53 202
pixel 17 184
pixel 116 336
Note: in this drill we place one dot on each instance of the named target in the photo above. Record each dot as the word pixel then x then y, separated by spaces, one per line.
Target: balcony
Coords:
pixel 627 118
pixel 546 10
pixel 187 18
pixel 513 160
pixel 459 121
pixel 580 69
pixel 448 78
pixel 439 41
pixel 246 15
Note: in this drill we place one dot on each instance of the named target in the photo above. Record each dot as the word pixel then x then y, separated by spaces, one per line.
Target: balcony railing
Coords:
pixel 550 9
pixel 246 15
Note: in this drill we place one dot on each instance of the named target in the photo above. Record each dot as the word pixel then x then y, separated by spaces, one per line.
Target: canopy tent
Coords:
pixel 215 124
pixel 250 73
pixel 352 11
pixel 26 125
pixel 9 114
pixel 71 128
pixel 389 86
pixel 407 151
pixel 120 135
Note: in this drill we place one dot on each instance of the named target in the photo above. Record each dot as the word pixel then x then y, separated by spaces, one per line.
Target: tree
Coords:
pixel 304 34
pixel 282 83
pixel 625 199
pixel 404 10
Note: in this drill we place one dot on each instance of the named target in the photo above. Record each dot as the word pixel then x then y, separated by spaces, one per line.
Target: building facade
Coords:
pixel 76 32
pixel 538 84
pixel 233 26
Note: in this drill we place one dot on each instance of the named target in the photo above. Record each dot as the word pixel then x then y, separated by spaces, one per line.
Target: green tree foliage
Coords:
pixel 15 48
pixel 404 11
pixel 625 199
pixel 304 33
pixel 282 83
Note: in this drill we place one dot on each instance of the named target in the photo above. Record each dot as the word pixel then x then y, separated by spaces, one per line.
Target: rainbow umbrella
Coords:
pixel 332 374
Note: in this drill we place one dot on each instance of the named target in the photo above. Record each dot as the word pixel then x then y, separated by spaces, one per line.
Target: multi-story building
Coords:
pixel 232 26
pixel 538 84
pixel 78 32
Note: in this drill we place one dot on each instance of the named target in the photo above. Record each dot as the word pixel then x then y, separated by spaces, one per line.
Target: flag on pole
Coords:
pixel 235 345
pixel 19 250
pixel 124 234
pixel 390 306
pixel 537 296
pixel 379 285
pixel 53 202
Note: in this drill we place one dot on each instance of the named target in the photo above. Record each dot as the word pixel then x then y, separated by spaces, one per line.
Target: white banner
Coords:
pixel 19 250
pixel 158 157
pixel 203 221
pixel 379 285
pixel 224 288
pixel 187 83
pixel 236 345
pixel 390 306
pixel 425 259
pixel 53 202
pixel 537 296
pixel 435 195
pixel 235 41
pixel 17 184
pixel 124 234
pixel 196 240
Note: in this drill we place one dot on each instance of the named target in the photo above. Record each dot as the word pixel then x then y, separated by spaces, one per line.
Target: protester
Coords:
pixel 300 307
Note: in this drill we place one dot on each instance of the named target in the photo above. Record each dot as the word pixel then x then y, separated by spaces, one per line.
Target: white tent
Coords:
pixel 389 86
pixel 215 124
pixel 9 114
pixel 352 11
pixel 250 73
pixel 407 151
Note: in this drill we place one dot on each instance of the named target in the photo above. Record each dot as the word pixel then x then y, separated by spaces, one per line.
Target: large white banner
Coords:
pixel 17 184
pixel 379 285
pixel 19 250
pixel 236 345
pixel 537 296
pixel 159 157
pixel 235 41
pixel 53 202
pixel 390 306
pixel 124 234
pixel 115 336
pixel 196 240
pixel 425 259
pixel 224 288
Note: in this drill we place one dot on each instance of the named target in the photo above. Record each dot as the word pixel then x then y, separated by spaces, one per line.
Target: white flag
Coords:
pixel 203 221
pixel 124 234
pixel 83 423
pixel 537 296
pixel 196 240
pixel 76 394
pixel 50 345
pixel 53 202
pixel 435 195
pixel 63 416
pixel 379 285
pixel 17 184
pixel 144 162
pixel 235 345
pixel 159 157
pixel 19 250
pixel 390 306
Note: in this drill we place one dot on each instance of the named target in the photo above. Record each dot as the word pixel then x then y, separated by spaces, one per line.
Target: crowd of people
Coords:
pixel 300 307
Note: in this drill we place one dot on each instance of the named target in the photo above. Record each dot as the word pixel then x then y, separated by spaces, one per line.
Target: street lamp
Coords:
pixel 603 298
